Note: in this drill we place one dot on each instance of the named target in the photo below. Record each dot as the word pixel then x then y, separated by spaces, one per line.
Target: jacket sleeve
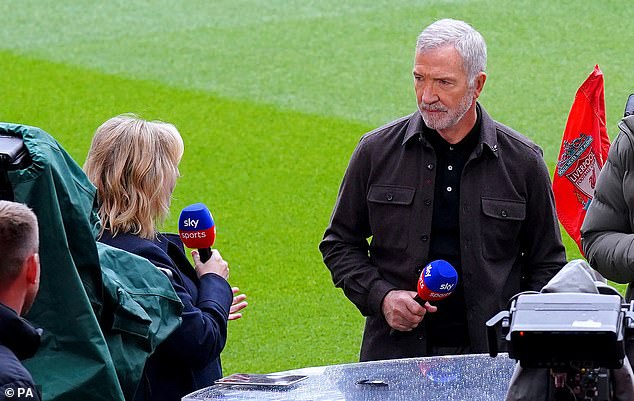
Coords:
pixel 345 244
pixel 606 233
pixel 543 251
pixel 203 332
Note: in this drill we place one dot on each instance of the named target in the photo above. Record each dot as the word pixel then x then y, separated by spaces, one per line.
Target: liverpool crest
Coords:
pixel 579 164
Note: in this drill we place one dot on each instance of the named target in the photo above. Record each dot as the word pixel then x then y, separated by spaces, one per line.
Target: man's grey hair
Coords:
pixel 463 37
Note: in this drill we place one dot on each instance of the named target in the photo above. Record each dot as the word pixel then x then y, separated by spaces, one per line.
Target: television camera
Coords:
pixel 577 337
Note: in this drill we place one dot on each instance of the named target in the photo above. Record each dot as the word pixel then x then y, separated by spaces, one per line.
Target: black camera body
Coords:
pixel 13 156
pixel 567 329
pixel 578 337
pixel 13 153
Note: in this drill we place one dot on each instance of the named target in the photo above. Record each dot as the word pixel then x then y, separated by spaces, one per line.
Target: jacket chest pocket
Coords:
pixel 390 209
pixel 500 227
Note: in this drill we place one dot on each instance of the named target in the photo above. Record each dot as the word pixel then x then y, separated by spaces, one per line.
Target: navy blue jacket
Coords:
pixel 18 340
pixel 190 357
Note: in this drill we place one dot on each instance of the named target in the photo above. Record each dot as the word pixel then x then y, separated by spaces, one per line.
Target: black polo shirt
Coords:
pixel 448 326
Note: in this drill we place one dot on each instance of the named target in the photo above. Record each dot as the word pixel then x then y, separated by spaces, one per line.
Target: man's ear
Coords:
pixel 479 83
pixel 33 268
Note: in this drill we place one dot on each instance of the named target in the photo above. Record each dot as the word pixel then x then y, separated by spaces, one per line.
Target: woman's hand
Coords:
pixel 216 264
pixel 238 304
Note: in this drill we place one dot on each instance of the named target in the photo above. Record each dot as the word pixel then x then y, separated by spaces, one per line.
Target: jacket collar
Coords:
pixel 17 334
pixel 414 127
pixel 486 140
pixel 627 126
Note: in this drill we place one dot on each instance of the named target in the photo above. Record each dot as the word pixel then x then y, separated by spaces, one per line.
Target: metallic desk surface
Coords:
pixel 475 377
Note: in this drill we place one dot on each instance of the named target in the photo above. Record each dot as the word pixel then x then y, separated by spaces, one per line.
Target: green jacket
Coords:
pixel 102 310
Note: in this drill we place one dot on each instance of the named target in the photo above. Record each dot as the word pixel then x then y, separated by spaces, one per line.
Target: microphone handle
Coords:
pixel 205 254
pixel 398 333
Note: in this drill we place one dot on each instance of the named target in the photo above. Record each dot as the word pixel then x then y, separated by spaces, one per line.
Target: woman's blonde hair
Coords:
pixel 134 165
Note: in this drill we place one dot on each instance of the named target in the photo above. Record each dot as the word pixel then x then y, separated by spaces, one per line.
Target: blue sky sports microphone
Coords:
pixel 197 229
pixel 437 281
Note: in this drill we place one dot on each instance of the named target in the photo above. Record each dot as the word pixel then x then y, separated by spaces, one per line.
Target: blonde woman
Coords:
pixel 134 165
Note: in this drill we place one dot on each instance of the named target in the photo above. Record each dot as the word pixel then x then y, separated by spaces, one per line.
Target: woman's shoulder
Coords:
pixel 149 249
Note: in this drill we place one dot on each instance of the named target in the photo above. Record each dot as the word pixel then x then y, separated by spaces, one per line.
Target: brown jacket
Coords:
pixel 509 231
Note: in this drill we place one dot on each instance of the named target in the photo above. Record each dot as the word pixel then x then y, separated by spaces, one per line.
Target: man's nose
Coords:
pixel 428 94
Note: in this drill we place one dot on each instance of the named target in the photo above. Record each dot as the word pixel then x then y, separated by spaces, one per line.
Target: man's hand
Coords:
pixel 402 312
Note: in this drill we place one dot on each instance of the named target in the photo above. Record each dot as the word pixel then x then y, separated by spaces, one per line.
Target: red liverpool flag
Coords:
pixel 584 148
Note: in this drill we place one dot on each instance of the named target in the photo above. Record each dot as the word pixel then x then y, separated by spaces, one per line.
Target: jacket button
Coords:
pixel 424 238
pixel 430 166
pixel 389 197
pixel 427 202
pixel 504 213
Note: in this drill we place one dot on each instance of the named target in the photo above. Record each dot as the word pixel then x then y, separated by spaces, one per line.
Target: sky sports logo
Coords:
pixel 190 223
pixel 188 229
pixel 446 286
pixel 196 227
pixel 193 234
pixel 201 238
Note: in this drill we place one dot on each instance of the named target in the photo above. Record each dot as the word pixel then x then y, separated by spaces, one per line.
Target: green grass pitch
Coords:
pixel 271 98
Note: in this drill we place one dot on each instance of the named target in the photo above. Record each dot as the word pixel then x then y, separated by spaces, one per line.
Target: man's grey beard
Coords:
pixel 447 119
